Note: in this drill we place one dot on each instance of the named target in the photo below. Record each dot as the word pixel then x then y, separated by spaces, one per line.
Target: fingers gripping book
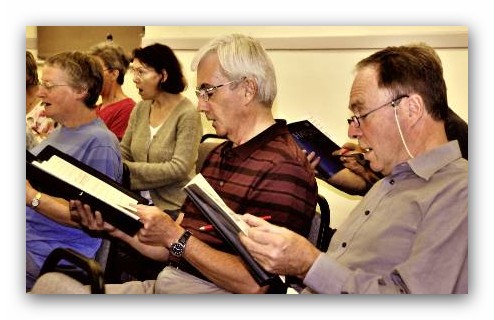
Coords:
pixel 310 138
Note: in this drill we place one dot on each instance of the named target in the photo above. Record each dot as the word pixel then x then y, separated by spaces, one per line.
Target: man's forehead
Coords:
pixel 364 86
pixel 209 71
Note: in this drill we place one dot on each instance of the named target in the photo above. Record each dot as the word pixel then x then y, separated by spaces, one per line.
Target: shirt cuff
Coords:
pixel 326 275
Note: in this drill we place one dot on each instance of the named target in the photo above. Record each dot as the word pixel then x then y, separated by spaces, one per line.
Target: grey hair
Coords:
pixel 243 56
pixel 114 57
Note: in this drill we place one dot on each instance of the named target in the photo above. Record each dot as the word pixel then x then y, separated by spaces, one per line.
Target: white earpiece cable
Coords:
pixel 401 134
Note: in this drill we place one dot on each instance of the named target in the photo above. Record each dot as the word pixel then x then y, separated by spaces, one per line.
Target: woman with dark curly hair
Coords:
pixel 160 145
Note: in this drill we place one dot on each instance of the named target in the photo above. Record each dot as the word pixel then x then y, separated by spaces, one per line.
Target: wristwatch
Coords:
pixel 35 201
pixel 177 248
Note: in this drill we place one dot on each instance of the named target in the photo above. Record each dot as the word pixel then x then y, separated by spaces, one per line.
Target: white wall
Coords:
pixel 314 71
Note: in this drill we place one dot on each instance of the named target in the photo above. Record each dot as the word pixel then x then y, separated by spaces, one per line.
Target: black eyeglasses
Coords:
pixel 355 120
pixel 206 93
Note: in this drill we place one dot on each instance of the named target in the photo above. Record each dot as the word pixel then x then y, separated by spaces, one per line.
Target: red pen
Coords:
pixel 343 151
pixel 210 227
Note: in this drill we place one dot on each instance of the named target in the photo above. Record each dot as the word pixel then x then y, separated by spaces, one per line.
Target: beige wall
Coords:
pixel 314 70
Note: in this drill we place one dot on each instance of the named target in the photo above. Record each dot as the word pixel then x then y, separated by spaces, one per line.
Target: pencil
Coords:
pixel 210 227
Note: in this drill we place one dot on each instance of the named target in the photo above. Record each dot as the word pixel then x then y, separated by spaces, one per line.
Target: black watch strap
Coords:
pixel 177 249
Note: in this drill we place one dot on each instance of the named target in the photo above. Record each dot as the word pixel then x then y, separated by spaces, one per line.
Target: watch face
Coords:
pixel 34 203
pixel 177 249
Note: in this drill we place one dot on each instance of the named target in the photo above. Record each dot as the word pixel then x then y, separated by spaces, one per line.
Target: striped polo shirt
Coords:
pixel 267 175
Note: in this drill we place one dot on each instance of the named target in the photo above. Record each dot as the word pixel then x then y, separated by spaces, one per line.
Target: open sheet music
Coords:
pixel 227 223
pixel 222 208
pixel 60 175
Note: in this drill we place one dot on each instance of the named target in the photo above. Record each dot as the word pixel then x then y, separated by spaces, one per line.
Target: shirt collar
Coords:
pixel 427 164
pixel 246 149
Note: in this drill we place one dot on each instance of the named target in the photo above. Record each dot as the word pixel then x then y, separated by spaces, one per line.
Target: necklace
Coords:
pixel 114 99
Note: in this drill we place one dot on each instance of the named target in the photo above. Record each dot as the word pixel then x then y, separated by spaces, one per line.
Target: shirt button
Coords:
pixel 366 212
pixel 343 244
pixel 221 183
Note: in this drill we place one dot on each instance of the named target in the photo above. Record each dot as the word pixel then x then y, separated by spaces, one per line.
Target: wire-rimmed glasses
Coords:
pixel 139 72
pixel 206 93
pixel 49 87
pixel 355 120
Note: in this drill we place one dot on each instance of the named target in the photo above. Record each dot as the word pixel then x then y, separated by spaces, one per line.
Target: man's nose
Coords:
pixel 354 132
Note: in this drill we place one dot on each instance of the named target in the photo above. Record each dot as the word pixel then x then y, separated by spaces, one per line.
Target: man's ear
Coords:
pixel 250 88
pixel 415 107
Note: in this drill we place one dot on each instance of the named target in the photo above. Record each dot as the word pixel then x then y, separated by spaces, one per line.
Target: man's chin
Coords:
pixel 376 167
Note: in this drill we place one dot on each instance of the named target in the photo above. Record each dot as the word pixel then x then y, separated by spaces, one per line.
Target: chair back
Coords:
pixel 320 232
pixel 209 141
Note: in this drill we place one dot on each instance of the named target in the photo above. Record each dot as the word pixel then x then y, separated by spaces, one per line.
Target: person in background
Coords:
pixel 409 234
pixel 115 106
pixel 356 178
pixel 160 145
pixel 71 84
pixel 457 129
pixel 259 169
pixel 38 125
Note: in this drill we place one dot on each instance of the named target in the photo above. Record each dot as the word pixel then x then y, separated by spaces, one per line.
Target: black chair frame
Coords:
pixel 92 275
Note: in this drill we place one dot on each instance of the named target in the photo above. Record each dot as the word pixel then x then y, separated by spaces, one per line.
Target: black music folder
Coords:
pixel 60 175
pixel 310 138
pixel 227 224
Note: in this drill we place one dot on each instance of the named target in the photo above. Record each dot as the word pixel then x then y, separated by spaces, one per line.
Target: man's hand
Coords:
pixel 277 249
pixel 159 229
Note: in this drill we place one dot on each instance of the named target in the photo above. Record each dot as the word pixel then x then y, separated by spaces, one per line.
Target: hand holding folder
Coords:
pixel 60 175
pixel 312 139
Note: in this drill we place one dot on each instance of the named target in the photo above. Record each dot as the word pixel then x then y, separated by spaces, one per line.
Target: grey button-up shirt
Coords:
pixel 409 234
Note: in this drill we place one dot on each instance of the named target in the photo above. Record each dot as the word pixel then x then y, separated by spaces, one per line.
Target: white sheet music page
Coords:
pixel 202 183
pixel 84 181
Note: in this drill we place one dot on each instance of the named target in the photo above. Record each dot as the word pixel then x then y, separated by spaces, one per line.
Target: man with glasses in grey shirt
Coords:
pixel 409 234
